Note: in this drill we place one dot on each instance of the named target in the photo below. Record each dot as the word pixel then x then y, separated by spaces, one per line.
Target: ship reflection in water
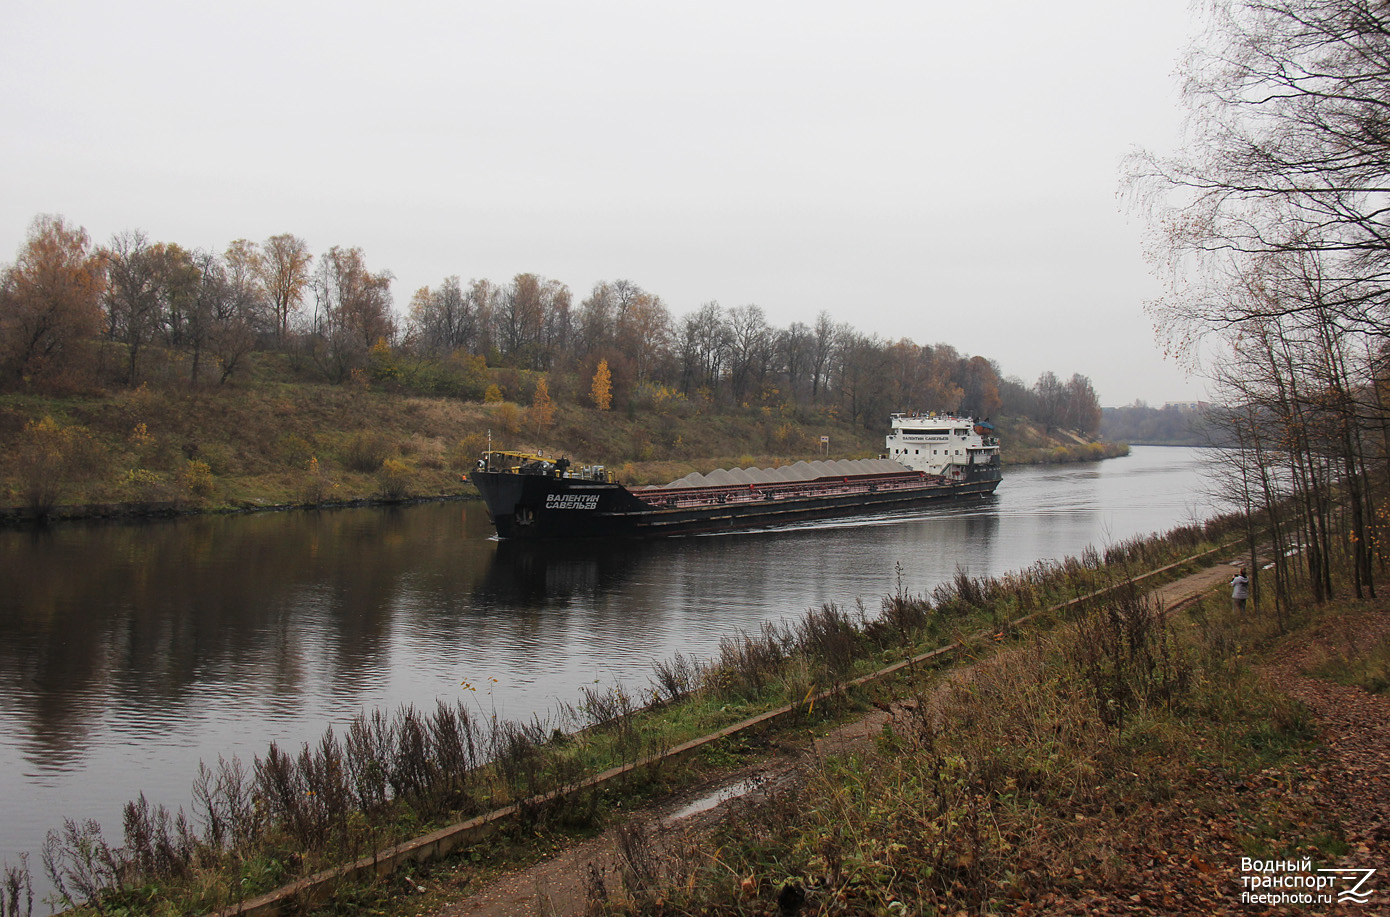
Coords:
pixel 544 574
pixel 550 574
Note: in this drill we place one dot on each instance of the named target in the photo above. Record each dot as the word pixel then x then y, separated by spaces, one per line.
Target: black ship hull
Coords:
pixel 534 506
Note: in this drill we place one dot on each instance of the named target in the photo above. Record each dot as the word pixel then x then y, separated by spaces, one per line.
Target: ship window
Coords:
pixel 923 431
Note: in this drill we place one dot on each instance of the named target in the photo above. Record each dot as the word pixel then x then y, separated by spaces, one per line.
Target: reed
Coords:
pixel 17 890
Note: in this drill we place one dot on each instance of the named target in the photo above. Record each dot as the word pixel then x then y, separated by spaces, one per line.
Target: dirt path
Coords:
pixel 563 884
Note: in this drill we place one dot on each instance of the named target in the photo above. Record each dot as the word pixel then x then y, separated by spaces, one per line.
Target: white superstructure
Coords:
pixel 954 447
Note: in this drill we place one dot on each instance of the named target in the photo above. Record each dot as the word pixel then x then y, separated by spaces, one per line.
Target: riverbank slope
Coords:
pixel 1008 786
pixel 274 445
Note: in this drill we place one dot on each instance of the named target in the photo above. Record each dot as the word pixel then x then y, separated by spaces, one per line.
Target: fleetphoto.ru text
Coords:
pixel 1296 882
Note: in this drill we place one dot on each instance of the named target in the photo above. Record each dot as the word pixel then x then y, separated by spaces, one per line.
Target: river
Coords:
pixel 130 653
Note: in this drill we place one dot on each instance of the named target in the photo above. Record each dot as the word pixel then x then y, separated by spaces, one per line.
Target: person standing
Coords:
pixel 1240 591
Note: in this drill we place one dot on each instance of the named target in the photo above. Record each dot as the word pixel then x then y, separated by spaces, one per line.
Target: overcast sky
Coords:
pixel 941 172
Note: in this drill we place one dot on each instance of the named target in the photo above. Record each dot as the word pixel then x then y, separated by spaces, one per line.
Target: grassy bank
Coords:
pixel 1125 763
pixel 279 444
pixel 391 777
pixel 1028 443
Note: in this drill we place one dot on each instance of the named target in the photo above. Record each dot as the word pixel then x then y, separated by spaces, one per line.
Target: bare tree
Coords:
pixel 1274 216
pixel 826 334
pixel 443 320
pixel 749 346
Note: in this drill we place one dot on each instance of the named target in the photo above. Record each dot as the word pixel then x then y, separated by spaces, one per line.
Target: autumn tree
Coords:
pixel 147 293
pixel 242 312
pixel 352 311
pixel 980 388
pixel 284 268
pixel 542 410
pixel 205 301
pixel 222 312
pixel 520 320
pixel 642 328
pixel 601 391
pixel 50 300
pixel 532 320
pixel 594 321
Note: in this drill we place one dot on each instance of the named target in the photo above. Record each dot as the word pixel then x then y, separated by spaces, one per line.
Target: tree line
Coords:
pixel 67 305
pixel 1273 224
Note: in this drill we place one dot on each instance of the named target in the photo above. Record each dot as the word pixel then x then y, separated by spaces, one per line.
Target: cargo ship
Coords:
pixel 930 458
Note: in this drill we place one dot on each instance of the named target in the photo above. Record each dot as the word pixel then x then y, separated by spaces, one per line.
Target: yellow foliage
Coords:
pixel 141 477
pixel 145 485
pixel 542 410
pixel 197 478
pixel 317 486
pixel 493 395
pixel 394 478
pixel 602 389
pixel 508 416
pixel 45 458
pixel 383 366
pixel 467 450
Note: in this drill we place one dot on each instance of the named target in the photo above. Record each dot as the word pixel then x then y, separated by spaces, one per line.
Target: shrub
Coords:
pixel 197 479
pixel 48 454
pixel 146 486
pixel 394 479
pixel 317 485
pixel 508 416
pixel 366 451
pixel 467 451
pixel 294 449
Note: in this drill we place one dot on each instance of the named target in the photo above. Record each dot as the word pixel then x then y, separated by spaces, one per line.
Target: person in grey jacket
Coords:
pixel 1240 591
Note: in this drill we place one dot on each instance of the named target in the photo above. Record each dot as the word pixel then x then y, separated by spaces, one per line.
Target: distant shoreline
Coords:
pixel 14 517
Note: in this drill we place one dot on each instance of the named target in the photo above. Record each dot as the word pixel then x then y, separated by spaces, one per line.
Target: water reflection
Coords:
pixel 131 652
pixel 530 575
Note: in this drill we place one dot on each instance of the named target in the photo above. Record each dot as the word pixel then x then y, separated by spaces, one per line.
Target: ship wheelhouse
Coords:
pixel 947 445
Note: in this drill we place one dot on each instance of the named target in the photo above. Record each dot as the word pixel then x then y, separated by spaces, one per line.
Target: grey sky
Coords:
pixel 946 173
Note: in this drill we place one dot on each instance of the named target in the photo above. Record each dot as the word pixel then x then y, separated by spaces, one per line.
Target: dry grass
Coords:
pixel 1081 768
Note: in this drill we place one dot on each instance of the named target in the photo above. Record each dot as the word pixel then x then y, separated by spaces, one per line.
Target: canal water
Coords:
pixel 130 653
